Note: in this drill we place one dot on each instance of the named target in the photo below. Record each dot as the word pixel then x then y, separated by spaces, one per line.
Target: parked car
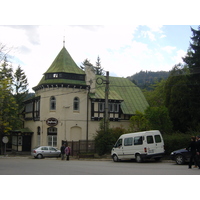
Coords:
pixel 45 151
pixel 181 156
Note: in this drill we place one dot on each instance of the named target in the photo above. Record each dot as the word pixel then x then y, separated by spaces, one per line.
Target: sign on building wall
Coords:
pixel 52 121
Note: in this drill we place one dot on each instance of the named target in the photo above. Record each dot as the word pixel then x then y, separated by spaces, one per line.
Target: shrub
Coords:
pixel 176 141
pixel 105 141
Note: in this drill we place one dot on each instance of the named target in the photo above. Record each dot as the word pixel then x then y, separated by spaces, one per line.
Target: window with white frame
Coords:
pixel 52 136
pixel 52 140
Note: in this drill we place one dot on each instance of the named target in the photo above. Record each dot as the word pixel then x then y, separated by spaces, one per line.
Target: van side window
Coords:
pixel 149 139
pixel 128 141
pixel 118 143
pixel 157 138
pixel 138 140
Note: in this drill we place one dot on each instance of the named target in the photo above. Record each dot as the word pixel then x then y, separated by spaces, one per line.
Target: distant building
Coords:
pixel 69 104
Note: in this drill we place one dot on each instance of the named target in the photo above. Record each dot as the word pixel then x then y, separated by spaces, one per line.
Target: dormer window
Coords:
pixel 55 75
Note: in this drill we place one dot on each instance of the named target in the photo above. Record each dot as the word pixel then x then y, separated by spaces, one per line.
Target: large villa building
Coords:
pixel 69 104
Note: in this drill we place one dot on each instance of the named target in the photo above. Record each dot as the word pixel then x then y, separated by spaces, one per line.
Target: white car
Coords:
pixel 45 151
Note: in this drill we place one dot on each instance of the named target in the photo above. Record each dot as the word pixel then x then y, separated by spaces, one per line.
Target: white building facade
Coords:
pixel 69 103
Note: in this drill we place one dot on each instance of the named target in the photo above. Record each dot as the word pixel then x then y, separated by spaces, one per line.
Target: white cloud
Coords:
pixel 119 48
pixel 155 28
pixel 178 57
pixel 168 49
pixel 163 36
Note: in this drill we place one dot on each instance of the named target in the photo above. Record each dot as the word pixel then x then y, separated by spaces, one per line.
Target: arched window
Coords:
pixel 52 103
pixel 76 103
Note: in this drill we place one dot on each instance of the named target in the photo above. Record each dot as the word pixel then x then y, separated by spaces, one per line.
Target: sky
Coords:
pixel 123 49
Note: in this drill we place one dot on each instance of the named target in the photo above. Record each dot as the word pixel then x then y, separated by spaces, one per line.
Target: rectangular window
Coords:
pixel 29 107
pixel 110 106
pixel 138 140
pixel 52 140
pixel 76 104
pixel 149 139
pixel 157 138
pixel 128 141
pixel 101 107
pixel 116 107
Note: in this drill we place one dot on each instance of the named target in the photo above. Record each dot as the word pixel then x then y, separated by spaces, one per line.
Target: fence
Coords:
pixel 81 146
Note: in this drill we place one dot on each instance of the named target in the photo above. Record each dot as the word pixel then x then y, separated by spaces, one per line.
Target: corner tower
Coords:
pixel 63 72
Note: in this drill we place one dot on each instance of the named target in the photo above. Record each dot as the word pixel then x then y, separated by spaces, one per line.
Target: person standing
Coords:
pixel 62 149
pixel 67 152
pixel 193 151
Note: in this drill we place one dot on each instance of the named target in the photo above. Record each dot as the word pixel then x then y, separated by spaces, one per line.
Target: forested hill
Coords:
pixel 145 78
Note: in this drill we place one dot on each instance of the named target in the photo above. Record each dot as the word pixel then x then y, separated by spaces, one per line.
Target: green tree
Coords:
pixel 6 70
pixel 156 96
pixel 138 122
pixel 20 84
pixel 8 109
pixel 193 62
pixel 178 97
pixel 98 69
pixel 158 119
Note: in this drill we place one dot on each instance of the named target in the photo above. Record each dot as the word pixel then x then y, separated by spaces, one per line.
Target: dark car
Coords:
pixel 181 156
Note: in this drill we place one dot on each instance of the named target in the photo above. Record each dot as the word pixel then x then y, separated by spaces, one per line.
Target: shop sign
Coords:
pixel 52 121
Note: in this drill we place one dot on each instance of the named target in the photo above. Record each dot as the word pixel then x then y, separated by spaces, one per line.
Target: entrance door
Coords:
pixel 26 143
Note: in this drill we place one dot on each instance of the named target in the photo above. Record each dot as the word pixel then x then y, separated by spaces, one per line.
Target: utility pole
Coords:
pixel 106 102
pixel 99 81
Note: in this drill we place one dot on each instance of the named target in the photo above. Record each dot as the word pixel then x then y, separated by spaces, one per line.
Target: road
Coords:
pixel 53 166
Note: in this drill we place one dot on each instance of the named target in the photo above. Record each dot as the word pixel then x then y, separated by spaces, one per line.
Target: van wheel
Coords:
pixel 138 158
pixel 115 158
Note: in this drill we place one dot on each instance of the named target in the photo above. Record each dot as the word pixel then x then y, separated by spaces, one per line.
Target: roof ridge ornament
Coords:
pixel 63 41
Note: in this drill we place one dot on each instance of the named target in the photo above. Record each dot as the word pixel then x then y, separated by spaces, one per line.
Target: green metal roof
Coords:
pixel 64 63
pixel 123 89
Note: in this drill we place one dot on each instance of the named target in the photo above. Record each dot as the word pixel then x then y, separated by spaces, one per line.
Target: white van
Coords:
pixel 139 146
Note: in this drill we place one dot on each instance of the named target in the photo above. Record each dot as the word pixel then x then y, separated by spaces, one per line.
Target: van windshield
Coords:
pixel 118 143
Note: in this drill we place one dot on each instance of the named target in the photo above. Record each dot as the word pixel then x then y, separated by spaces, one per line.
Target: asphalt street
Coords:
pixel 54 166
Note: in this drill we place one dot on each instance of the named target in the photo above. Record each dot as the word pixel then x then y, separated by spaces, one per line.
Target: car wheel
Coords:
pixel 39 156
pixel 179 159
pixel 138 158
pixel 115 158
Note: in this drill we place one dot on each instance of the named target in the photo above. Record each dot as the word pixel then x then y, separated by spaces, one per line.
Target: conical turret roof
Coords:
pixel 63 71
pixel 64 63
